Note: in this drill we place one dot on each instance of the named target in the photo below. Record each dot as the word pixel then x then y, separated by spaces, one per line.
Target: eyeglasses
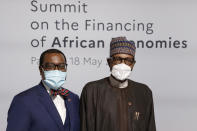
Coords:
pixel 119 60
pixel 52 66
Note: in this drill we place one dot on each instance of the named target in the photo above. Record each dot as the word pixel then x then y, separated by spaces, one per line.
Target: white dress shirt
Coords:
pixel 59 104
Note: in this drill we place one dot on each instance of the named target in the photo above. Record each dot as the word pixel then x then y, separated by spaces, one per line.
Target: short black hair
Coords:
pixel 49 51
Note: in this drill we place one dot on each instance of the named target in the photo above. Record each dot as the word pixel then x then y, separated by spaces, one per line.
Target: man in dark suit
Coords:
pixel 46 106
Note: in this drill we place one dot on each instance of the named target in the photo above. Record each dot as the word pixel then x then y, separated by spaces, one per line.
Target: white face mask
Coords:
pixel 121 71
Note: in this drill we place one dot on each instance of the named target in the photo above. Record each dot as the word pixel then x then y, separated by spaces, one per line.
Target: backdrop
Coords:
pixel 164 32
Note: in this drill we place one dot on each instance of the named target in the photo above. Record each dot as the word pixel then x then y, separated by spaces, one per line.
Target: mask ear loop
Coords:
pixel 133 65
pixel 42 69
pixel 43 72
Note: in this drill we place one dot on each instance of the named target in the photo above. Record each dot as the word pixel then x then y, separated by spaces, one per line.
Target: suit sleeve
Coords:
pixel 18 116
pixel 150 115
pixel 87 110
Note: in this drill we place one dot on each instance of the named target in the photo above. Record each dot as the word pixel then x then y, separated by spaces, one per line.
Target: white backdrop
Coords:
pixel 169 70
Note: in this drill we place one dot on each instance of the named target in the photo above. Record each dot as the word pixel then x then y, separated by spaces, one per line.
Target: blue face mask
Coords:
pixel 54 79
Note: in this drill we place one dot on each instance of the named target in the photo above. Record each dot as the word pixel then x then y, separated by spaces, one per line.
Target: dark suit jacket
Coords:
pixel 34 110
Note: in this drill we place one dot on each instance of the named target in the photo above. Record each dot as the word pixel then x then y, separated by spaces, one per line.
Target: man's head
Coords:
pixel 52 59
pixel 121 51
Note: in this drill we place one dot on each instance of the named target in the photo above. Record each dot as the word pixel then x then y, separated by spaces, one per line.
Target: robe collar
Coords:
pixel 118 84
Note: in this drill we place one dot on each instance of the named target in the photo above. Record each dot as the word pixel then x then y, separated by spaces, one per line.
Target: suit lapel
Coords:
pixel 69 103
pixel 48 104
